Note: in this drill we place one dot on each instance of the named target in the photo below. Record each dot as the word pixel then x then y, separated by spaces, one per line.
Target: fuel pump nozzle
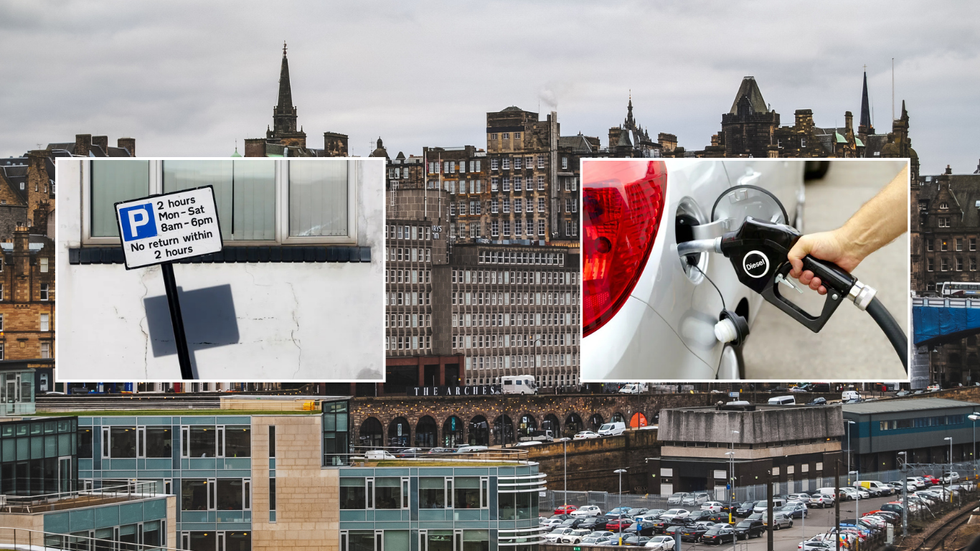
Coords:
pixel 758 252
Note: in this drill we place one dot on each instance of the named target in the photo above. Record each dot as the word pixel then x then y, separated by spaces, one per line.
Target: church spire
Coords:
pixel 629 123
pixel 284 114
pixel 865 123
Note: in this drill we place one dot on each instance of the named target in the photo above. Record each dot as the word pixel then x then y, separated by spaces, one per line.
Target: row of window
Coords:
pixel 525 319
pixel 944 244
pixel 520 183
pixel 513 299
pixel 416 342
pixel 45 293
pixel 923 422
pixel 408 232
pixel 216 494
pixel 546 381
pixel 398 172
pixel 408 320
pixel 42 264
pixel 407 299
pixel 144 535
pixel 518 162
pixel 449 167
pixel 571 229
pixel 288 201
pixel 461 492
pixel 946 266
pixel 408 276
pixel 504 205
pixel 495 341
pixel 517 257
pixel 157 442
pixel 524 340
pixel 428 540
pixel 518 229
pixel 398 254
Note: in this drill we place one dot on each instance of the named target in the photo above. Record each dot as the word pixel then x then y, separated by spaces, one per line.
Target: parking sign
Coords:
pixel 169 227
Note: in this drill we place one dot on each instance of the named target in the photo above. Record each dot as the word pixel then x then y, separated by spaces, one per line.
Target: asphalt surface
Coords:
pixel 850 347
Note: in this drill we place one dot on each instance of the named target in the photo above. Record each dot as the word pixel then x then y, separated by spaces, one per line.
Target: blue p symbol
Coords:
pixel 138 222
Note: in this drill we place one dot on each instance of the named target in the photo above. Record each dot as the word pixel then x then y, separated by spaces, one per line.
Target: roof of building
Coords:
pixel 900 405
pixel 965 189
pixel 751 89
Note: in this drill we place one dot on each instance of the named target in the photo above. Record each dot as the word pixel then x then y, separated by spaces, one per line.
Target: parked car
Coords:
pixel 585 435
pixel 587 511
pixel 713 506
pixel 794 509
pixel 695 499
pixel 746 529
pixel 673 514
pixel 664 543
pixel 575 536
pixel 471 449
pixel 565 509
pixel 637 291
pixel 718 534
pixel 779 520
pixel 596 537
pixel 745 509
pixel 612 429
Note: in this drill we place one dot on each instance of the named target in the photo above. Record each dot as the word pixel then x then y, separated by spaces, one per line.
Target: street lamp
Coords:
pixel 564 445
pixel 950 475
pixel 731 476
pixel 905 489
pixel 620 473
pixel 973 417
pixel 849 423
pixel 857 494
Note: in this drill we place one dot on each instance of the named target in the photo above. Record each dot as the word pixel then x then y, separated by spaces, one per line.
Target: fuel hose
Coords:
pixel 891 329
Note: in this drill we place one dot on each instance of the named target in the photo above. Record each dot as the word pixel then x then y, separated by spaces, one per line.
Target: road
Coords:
pixel 850 347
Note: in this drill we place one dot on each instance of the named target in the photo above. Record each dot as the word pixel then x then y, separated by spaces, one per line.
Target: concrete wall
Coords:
pixel 766 425
pixel 305 519
pixel 311 321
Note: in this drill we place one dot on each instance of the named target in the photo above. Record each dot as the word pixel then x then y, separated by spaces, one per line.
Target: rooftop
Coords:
pixel 905 404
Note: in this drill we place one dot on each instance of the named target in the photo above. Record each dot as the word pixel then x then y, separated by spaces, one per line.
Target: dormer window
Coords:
pixel 944 206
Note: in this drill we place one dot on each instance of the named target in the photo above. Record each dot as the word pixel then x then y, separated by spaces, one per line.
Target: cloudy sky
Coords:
pixel 188 78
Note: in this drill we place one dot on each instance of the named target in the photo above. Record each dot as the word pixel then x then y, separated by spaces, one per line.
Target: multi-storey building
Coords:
pixel 248 480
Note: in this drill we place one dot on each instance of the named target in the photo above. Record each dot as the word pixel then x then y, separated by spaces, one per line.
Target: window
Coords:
pixel 238 441
pixel 959 264
pixel 433 494
pixel 44 322
pixel 505 162
pixel 43 264
pixel 285 201
pixel 944 205
pixel 45 350
pixel 158 442
pixel 540 161
pixel 1 322
pixel 1 291
pixel 198 495
pixel 564 163
pixel 973 243
pixel 944 264
pixel 540 227
pixel 973 264
pixel 540 183
pixel 201 442
pixel 44 292
pixel 930 265
pixel 930 246
pixel 943 245
pixel 943 221
pixel 959 244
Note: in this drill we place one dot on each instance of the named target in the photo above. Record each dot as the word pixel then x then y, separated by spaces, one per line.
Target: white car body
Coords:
pixel 664 543
pixel 713 506
pixel 674 514
pixel 585 435
pixel 587 511
pixel 664 329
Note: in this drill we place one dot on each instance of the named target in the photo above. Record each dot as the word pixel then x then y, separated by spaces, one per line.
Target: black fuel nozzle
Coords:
pixel 758 253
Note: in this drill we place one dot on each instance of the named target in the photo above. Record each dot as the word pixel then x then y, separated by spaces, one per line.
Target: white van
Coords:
pixel 782 401
pixel 850 395
pixel 633 388
pixel 518 384
pixel 612 429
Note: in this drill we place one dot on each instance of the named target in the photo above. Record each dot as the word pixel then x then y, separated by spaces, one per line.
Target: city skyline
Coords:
pixel 184 85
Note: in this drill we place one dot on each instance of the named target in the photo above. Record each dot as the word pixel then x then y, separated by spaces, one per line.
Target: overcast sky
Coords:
pixel 188 78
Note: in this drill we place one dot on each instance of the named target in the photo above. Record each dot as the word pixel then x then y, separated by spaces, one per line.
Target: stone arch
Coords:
pixel 526 423
pixel 638 420
pixel 595 422
pixel 617 417
pixel 452 432
pixel 479 431
pixel 426 433
pixel 552 423
pixel 399 433
pixel 371 433
pixel 503 430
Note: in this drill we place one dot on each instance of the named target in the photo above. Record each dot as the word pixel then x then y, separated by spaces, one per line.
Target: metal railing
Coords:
pixel 76 498
pixel 24 539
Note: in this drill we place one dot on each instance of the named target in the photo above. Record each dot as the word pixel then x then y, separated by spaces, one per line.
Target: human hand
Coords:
pixel 830 246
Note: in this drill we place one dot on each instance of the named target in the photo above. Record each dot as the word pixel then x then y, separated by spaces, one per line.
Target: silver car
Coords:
pixel 649 313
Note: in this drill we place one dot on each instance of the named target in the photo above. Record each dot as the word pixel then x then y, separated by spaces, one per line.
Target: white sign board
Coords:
pixel 168 227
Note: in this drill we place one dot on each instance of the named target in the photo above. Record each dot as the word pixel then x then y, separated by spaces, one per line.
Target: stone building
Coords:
pixel 284 139
pixel 751 128
pixel 27 308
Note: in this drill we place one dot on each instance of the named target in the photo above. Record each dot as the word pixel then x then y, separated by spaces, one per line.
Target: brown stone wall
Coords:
pixel 304 490
pixel 21 303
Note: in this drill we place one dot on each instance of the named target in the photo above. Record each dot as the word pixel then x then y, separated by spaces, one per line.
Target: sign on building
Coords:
pixel 169 227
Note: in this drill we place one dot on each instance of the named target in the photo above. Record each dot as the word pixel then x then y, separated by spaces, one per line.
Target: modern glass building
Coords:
pixel 253 480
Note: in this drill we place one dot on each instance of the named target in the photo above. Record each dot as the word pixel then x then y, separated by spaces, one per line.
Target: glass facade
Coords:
pixel 37 456
pixel 451 508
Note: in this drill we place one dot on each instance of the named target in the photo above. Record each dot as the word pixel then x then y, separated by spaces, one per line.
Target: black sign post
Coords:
pixel 180 338
pixel 163 228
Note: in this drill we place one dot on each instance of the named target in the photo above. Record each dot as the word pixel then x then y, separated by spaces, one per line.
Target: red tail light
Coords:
pixel 622 206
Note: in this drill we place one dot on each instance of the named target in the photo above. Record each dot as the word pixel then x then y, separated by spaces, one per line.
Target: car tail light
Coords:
pixel 622 206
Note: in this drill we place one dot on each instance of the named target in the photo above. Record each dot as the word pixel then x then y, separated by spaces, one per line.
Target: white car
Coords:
pixel 557 534
pixel 649 312
pixel 664 543
pixel 674 514
pixel 587 511
pixel 585 435
pixel 713 506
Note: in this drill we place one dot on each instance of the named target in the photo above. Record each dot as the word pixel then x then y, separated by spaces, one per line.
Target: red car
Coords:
pixel 932 480
pixel 565 509
pixel 619 524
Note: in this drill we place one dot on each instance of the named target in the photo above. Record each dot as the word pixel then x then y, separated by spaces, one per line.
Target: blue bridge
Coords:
pixel 937 320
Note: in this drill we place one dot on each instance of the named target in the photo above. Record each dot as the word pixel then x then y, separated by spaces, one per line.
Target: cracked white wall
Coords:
pixel 296 321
